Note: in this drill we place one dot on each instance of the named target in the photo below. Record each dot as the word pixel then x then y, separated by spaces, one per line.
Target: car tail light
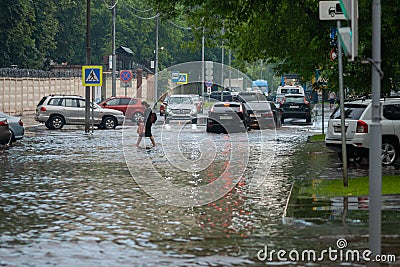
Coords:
pixel 305 101
pixel 21 123
pixel 240 109
pixel 212 109
pixel 3 123
pixel 43 109
pixel 362 127
pixel 268 115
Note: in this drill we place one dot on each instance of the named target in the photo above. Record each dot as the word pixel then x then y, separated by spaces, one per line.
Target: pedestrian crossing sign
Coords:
pixel 182 78
pixel 92 75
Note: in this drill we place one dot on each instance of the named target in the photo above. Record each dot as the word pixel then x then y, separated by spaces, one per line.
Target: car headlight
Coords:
pixel 168 109
pixel 194 110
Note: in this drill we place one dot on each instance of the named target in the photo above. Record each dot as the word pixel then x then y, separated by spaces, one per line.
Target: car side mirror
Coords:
pixel 105 104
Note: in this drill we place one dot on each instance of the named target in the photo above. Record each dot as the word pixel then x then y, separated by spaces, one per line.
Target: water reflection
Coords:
pixel 69 199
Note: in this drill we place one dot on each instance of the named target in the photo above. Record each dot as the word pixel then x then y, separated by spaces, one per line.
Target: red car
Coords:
pixel 131 107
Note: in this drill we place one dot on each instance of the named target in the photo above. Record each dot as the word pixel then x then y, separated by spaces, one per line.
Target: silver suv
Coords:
pixel 357 121
pixel 59 110
pixel 181 107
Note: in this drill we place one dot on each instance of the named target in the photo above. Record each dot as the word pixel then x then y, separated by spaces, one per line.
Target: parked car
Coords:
pixel 16 126
pixel 181 107
pixel 131 107
pixel 55 111
pixel 226 117
pixel 257 110
pixel 357 121
pixel 226 96
pixel 296 106
pixel 5 133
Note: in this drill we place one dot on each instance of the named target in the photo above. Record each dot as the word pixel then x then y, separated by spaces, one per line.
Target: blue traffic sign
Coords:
pixel 182 78
pixel 209 83
pixel 92 75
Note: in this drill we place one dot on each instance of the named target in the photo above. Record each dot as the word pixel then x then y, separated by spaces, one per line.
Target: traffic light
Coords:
pixel 348 36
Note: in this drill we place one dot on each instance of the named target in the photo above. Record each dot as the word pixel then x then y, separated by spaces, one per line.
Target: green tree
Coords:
pixel 16 22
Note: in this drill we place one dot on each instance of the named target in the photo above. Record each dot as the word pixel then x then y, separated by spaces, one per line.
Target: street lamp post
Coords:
pixel 156 66
pixel 114 63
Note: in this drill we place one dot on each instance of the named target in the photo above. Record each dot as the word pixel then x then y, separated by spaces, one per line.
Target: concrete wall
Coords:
pixel 21 95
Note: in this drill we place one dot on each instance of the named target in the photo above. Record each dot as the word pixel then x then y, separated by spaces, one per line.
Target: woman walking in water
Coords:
pixel 148 122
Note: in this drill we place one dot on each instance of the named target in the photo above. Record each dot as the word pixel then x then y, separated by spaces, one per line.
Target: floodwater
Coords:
pixel 69 199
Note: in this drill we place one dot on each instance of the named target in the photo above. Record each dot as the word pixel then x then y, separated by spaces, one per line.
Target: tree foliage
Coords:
pixel 286 33
pixel 290 34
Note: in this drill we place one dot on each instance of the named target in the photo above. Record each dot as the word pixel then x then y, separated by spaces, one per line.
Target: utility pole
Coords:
pixel 114 63
pixel 342 115
pixel 202 63
pixel 375 151
pixel 156 66
pixel 88 51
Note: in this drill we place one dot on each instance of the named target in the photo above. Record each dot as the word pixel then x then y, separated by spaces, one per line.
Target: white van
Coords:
pixel 288 89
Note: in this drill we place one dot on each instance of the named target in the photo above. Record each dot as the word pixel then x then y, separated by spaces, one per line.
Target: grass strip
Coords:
pixel 317 138
pixel 356 187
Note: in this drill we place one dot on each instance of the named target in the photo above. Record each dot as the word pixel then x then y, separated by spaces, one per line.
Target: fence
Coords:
pixel 20 94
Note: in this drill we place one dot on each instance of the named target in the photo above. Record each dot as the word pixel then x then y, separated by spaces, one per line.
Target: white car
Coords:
pixel 357 121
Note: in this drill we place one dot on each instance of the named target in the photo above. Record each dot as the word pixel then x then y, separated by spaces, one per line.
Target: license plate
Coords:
pixel 294 106
pixel 338 129
pixel 225 117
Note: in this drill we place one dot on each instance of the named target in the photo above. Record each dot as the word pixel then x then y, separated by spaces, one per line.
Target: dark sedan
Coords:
pixel 258 111
pixel 221 96
pixel 226 117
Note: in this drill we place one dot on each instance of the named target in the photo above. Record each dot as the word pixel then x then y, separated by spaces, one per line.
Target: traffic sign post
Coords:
pixel 182 78
pixel 348 36
pixel 92 75
pixel 175 76
pixel 125 76
pixel 330 10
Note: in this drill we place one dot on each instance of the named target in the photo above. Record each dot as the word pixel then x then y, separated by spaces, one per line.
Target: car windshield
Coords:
pixel 252 97
pixel 294 99
pixel 94 105
pixel 290 91
pixel 180 100
pixel 351 111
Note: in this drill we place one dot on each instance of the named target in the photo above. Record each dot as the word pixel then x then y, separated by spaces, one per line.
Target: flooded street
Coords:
pixel 70 199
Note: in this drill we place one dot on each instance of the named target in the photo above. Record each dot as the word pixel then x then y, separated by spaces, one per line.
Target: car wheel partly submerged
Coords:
pixel 389 152
pixel 109 123
pixel 56 122
pixel 137 116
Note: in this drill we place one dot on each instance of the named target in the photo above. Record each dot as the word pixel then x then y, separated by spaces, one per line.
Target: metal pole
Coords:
pixel 202 63
pixel 156 66
pixel 230 73
pixel 323 111
pixel 342 115
pixel 114 63
pixel 375 160
pixel 222 65
pixel 87 88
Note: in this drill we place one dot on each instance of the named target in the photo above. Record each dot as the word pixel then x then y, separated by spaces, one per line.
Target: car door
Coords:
pixel 115 104
pixel 71 111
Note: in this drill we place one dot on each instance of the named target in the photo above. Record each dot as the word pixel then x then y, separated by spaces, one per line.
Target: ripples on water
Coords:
pixel 69 199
